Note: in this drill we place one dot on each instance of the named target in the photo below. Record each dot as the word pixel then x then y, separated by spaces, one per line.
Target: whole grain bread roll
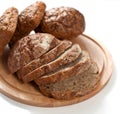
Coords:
pixel 62 22
pixel 28 20
pixel 8 23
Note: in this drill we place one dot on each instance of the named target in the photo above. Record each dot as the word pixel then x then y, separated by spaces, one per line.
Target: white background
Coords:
pixel 103 23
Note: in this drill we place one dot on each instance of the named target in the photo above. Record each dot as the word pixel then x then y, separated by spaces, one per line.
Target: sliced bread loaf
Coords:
pixel 75 68
pixel 67 57
pixel 45 58
pixel 75 86
pixel 29 48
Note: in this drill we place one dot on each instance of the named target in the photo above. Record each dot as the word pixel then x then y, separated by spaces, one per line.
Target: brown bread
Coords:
pixel 46 58
pixel 29 48
pixel 62 22
pixel 67 57
pixel 28 20
pixel 72 87
pixel 76 67
pixel 8 23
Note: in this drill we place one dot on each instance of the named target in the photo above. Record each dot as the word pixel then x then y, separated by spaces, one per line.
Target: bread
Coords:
pixel 62 22
pixel 8 23
pixel 66 58
pixel 60 68
pixel 72 87
pixel 28 20
pixel 29 48
pixel 78 66
pixel 45 58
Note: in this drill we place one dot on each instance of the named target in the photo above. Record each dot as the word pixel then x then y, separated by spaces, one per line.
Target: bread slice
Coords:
pixel 67 57
pixel 29 48
pixel 46 58
pixel 8 23
pixel 75 68
pixel 72 87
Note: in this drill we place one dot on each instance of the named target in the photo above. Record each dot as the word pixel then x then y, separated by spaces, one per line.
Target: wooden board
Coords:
pixel 29 94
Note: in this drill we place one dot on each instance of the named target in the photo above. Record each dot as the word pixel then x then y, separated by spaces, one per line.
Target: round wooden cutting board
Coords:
pixel 30 94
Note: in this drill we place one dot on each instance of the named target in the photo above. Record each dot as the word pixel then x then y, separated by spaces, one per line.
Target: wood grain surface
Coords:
pixel 29 94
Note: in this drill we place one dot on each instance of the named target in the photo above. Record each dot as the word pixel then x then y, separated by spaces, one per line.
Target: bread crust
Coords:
pixel 62 22
pixel 8 23
pixel 28 20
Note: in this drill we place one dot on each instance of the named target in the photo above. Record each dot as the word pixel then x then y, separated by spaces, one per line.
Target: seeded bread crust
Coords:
pixel 29 48
pixel 79 66
pixel 44 59
pixel 28 20
pixel 73 87
pixel 67 57
pixel 8 23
